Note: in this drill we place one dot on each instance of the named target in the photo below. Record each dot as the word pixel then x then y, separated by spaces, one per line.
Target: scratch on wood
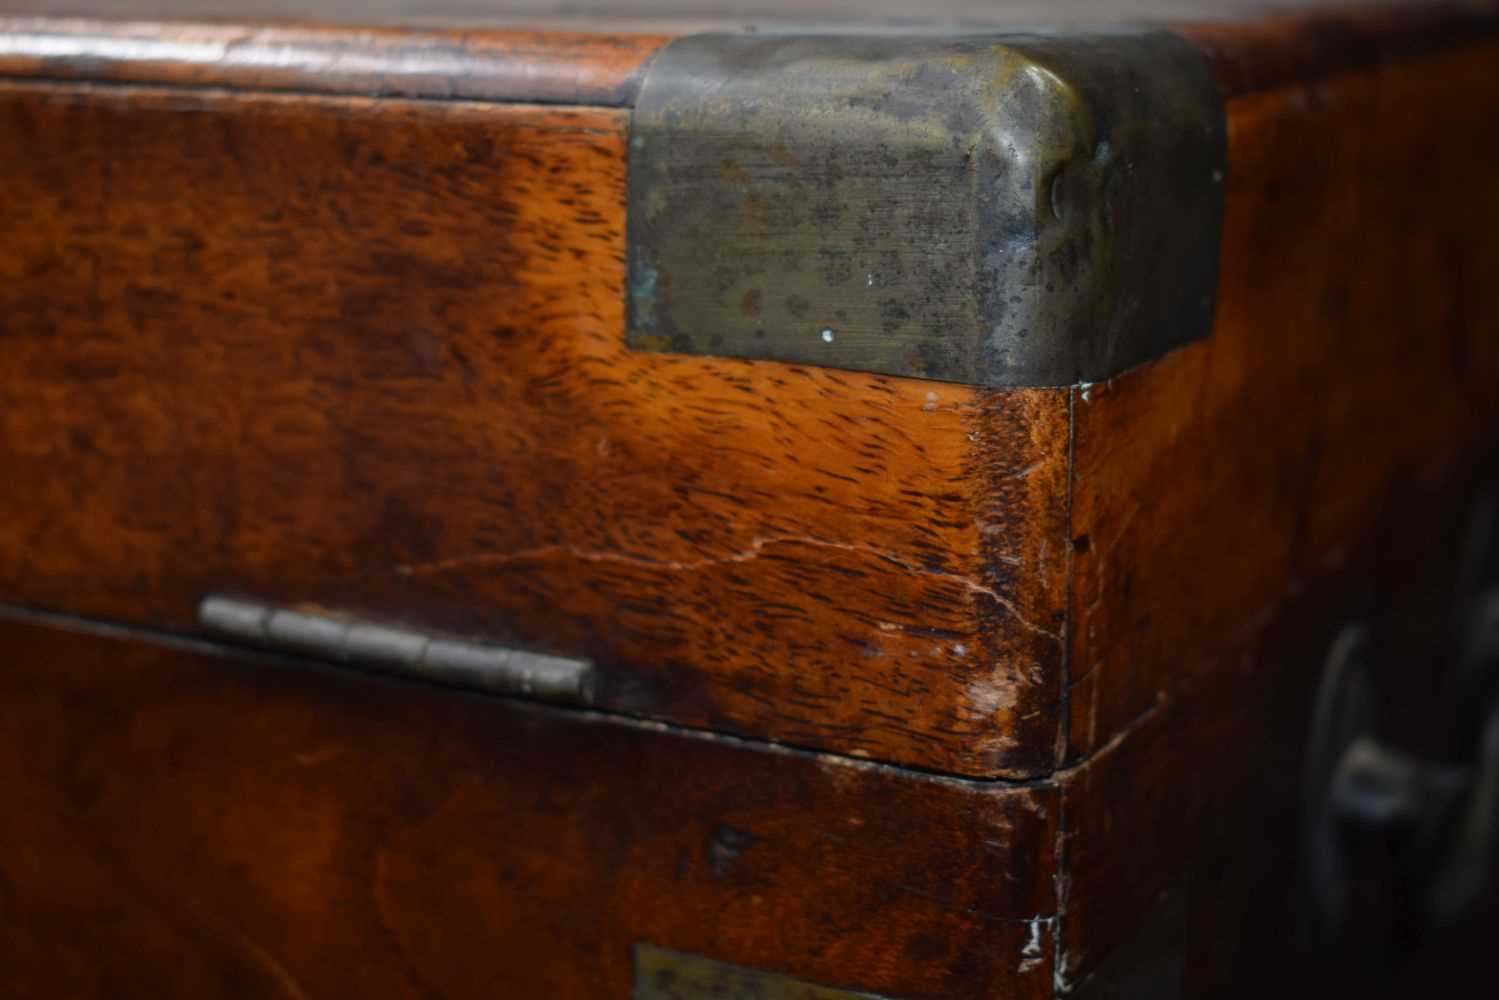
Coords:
pixel 755 550
pixel 1031 955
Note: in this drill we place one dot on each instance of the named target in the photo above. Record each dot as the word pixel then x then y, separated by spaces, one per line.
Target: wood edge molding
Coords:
pixel 565 63
pixel 547 67
pixel 214 643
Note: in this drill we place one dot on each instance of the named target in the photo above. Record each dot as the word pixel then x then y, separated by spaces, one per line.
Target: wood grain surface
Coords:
pixel 397 387
pixel 367 354
pixel 1199 800
pixel 180 823
pixel 370 355
pixel 1287 45
pixel 1238 501
pixel 1354 351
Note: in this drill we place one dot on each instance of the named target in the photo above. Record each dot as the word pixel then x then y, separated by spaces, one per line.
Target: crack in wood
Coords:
pixel 755 550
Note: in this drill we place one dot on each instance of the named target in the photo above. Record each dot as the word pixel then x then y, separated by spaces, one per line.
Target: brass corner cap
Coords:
pixel 1009 210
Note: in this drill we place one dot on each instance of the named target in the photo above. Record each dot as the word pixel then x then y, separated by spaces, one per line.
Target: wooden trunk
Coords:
pixel 896 686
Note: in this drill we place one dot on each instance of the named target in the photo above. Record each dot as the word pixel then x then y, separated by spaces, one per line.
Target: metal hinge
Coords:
pixel 399 651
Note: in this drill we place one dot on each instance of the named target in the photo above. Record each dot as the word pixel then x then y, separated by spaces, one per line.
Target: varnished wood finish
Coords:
pixel 596 54
pixel 180 823
pixel 1355 349
pixel 371 356
pixel 566 67
pixel 1199 800
pixel 368 355
pixel 1235 503
pixel 1286 47
pixel 903 597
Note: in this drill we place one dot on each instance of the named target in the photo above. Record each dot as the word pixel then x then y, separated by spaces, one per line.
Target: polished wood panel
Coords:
pixel 1198 803
pixel 370 355
pixel 770 560
pixel 1356 349
pixel 367 354
pixel 177 822
pixel 1285 46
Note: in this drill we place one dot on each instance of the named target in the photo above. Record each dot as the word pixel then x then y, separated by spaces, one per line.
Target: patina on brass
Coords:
pixel 668 975
pixel 1037 209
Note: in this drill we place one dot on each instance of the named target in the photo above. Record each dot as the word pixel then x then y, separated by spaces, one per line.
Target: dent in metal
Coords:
pixel 668 975
pixel 1035 209
pixel 404 652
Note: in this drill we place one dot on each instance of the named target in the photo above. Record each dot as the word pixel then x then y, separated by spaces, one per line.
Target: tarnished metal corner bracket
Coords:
pixel 399 651
pixel 1010 210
